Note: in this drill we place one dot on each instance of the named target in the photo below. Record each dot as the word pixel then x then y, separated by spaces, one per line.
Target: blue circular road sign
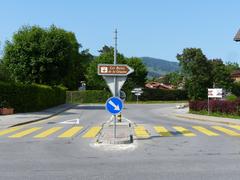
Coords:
pixel 114 105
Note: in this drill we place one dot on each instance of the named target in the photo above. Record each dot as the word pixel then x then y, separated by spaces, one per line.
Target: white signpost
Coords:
pixel 115 75
pixel 137 92
pixel 214 93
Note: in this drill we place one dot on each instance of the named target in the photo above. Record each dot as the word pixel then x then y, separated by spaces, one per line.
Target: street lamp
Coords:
pixel 237 36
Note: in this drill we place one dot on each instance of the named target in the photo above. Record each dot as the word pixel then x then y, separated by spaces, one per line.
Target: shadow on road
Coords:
pixel 174 134
pixel 90 107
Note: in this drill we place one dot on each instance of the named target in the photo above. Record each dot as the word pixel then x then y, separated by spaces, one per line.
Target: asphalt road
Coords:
pixel 24 154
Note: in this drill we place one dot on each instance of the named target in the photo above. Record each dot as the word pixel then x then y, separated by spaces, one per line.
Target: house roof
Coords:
pixel 237 36
pixel 157 85
pixel 236 73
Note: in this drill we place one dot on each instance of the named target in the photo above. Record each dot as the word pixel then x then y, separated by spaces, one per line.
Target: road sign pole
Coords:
pixel 115 81
pixel 115 126
pixel 208 106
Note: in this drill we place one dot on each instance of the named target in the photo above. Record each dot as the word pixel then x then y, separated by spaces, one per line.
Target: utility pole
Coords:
pixel 115 80
pixel 115 62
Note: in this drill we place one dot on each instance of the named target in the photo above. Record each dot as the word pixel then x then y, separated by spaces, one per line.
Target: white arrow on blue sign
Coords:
pixel 114 105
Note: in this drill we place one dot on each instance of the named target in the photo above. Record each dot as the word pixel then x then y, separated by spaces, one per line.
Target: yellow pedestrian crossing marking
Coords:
pixel 226 131
pixel 141 132
pixel 9 130
pixel 184 131
pixel 235 127
pixel 92 132
pixel 205 131
pixel 47 132
pixel 71 132
pixel 162 131
pixel 25 132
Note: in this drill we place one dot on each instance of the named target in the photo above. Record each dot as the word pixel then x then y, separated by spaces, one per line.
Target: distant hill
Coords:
pixel 159 67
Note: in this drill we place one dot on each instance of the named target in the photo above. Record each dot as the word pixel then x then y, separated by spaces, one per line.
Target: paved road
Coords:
pixel 165 147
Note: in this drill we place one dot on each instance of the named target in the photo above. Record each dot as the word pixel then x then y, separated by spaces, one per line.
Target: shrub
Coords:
pixel 236 89
pixel 231 97
pixel 221 106
pixel 27 98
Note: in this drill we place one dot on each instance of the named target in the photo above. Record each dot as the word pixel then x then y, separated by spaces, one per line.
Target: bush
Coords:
pixel 160 94
pixel 88 96
pixel 231 97
pixel 221 106
pixel 236 89
pixel 27 98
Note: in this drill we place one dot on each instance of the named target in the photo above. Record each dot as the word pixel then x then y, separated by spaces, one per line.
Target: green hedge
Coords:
pixel 161 95
pixel 100 96
pixel 27 98
pixel 88 96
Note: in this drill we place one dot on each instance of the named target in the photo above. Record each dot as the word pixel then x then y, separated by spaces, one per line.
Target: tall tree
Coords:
pixel 94 81
pixel 46 56
pixel 221 75
pixel 173 78
pixel 5 75
pixel 197 72
pixel 231 67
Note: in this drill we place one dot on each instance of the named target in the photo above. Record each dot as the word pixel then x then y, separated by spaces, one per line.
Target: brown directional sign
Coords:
pixel 114 70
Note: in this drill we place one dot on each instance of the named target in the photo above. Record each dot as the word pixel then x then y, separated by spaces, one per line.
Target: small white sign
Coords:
pixel 215 93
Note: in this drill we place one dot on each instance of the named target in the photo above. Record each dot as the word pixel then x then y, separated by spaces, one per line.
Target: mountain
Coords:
pixel 158 67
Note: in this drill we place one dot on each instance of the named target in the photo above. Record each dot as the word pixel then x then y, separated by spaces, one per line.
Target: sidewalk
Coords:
pixel 183 113
pixel 24 118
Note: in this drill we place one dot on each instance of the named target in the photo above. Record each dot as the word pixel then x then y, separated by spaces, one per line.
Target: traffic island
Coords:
pixel 123 135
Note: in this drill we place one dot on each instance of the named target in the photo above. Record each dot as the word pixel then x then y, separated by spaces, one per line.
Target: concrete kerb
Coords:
pixel 206 120
pixel 44 118
pixel 106 134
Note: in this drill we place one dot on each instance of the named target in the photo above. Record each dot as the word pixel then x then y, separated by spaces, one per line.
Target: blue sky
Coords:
pixel 155 28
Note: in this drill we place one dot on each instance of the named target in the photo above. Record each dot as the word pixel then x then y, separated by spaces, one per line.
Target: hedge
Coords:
pixel 88 96
pixel 221 106
pixel 27 98
pixel 161 95
pixel 100 96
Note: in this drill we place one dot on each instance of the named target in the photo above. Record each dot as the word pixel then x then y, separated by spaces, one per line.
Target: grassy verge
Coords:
pixel 216 114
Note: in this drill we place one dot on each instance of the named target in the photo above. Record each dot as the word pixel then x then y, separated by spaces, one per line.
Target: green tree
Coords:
pixel 173 78
pixel 45 56
pixel 94 81
pixel 197 72
pixel 5 75
pixel 231 67
pixel 221 75
pixel 138 77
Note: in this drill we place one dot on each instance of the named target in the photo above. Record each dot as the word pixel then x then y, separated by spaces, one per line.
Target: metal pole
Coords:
pixel 208 106
pixel 115 47
pixel 115 81
pixel 115 127
pixel 137 99
pixel 115 62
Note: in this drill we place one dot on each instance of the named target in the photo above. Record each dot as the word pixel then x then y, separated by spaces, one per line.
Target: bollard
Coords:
pixel 119 118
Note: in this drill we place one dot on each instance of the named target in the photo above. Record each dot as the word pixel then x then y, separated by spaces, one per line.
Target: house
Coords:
pixel 157 85
pixel 236 76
